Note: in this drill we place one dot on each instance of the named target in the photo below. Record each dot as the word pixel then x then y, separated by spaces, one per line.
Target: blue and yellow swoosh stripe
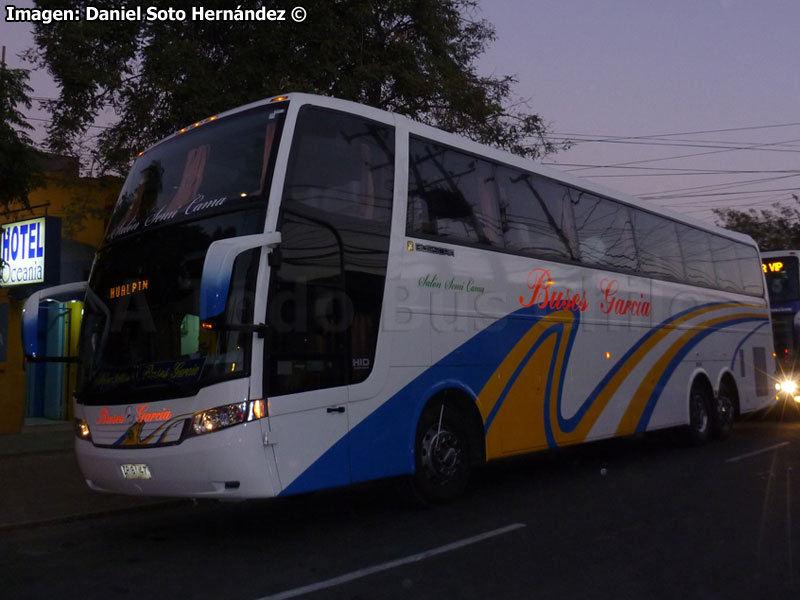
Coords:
pixel 521 402
pixel 516 370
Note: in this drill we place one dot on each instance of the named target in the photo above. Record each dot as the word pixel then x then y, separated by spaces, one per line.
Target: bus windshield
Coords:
pixel 141 329
pixel 212 167
pixel 783 282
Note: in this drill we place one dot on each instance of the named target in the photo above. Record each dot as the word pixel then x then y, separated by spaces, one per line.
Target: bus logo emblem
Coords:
pixel 410 246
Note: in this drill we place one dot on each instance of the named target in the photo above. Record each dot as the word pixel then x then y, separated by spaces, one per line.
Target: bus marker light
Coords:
pixel 258 409
pixel 198 123
pixel 608 355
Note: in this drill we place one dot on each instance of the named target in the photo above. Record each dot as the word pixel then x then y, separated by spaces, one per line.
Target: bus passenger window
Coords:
pixel 696 249
pixel 325 303
pixel 537 215
pixel 452 196
pixel 726 264
pixel 658 247
pixel 341 166
pixel 605 232
pixel 750 266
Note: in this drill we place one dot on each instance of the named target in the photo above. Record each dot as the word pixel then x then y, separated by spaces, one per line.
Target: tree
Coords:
pixel 19 170
pixel 415 57
pixel 776 228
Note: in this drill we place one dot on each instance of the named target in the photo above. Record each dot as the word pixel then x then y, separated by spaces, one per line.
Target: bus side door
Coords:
pixel 306 358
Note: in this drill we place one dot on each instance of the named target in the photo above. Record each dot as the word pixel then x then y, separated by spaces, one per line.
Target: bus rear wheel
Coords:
pixel 721 417
pixel 442 455
pixel 700 407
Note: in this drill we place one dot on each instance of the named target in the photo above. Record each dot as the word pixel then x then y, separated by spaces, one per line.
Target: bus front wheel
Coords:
pixel 442 454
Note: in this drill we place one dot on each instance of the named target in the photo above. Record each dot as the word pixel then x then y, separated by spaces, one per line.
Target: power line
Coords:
pixel 698 198
pixel 651 160
pixel 661 135
pixel 712 145
pixel 671 171
pixel 645 141
pixel 51 120
pixel 716 186
pixel 736 206
pixel 744 201
pixel 718 194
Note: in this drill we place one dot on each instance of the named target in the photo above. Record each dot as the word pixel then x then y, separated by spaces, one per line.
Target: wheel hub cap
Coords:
pixel 441 453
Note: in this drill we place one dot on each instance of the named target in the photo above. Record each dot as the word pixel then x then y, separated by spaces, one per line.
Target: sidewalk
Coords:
pixel 40 481
pixel 40 437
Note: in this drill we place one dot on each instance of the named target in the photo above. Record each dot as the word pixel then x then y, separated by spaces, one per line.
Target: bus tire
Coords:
pixel 442 454
pixel 700 403
pixel 721 417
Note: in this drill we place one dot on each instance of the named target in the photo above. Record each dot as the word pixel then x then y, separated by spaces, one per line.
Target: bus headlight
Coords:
pixel 214 419
pixel 787 386
pixel 82 429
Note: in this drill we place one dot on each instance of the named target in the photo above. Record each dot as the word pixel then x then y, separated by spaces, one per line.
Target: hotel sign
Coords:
pixel 30 252
pixel 3 331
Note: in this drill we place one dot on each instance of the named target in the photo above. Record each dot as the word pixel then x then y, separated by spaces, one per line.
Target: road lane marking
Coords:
pixel 315 587
pixel 756 453
pixel 789 522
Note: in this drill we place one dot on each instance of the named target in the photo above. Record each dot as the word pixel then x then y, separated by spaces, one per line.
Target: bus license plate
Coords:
pixel 140 471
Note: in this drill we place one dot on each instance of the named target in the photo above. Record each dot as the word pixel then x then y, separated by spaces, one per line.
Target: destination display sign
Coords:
pixel 773 266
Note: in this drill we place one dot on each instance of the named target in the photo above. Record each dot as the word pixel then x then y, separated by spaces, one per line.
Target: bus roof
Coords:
pixel 444 137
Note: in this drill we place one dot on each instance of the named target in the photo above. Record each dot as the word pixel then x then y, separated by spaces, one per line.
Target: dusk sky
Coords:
pixel 712 81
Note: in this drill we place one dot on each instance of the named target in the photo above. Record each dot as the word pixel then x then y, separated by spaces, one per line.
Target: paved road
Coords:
pixel 664 521
pixel 40 481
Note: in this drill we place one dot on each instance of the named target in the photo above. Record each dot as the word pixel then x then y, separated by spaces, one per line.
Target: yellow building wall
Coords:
pixel 71 343
pixel 84 205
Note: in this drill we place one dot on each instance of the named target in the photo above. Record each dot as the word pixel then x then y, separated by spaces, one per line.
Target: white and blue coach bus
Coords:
pixel 304 293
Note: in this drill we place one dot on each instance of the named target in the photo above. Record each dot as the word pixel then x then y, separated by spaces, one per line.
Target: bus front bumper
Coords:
pixel 232 463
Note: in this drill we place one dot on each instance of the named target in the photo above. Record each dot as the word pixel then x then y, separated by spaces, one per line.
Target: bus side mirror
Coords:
pixel 30 311
pixel 218 266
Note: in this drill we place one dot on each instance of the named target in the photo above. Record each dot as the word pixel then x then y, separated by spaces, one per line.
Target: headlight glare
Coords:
pixel 789 386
